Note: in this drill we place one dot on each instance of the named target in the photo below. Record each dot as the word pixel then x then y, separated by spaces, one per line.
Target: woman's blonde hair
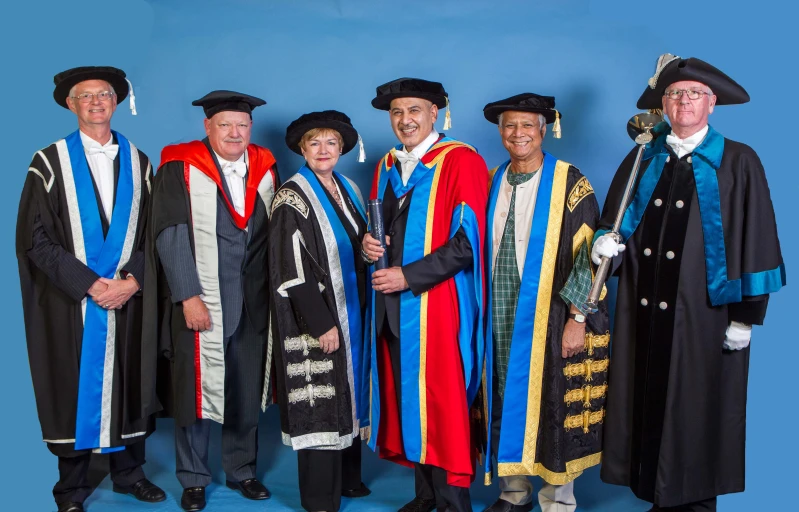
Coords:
pixel 316 132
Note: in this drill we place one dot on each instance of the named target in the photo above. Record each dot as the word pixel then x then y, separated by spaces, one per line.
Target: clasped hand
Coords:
pixel 113 293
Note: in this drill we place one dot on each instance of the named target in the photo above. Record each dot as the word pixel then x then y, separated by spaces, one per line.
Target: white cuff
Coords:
pixel 738 336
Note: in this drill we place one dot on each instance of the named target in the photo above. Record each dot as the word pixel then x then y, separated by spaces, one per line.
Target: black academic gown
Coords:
pixel 566 445
pixel 171 370
pixel 309 309
pixel 53 283
pixel 676 408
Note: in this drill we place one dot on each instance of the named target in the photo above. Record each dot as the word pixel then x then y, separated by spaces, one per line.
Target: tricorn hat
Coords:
pixel 671 69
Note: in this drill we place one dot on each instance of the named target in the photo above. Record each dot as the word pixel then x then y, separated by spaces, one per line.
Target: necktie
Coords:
pixel 110 151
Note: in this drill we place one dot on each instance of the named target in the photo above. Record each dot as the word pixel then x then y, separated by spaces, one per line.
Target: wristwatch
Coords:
pixel 577 317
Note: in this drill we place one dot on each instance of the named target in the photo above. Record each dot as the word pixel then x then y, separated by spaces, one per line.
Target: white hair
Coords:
pixel 72 90
pixel 542 121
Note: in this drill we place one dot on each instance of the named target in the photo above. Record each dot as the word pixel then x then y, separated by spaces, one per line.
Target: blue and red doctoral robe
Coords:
pixel 441 331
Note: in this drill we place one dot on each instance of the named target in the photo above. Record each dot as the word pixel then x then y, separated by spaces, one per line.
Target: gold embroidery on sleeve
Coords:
pixel 579 191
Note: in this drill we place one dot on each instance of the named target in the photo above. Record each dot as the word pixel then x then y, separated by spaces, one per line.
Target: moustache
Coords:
pixel 231 139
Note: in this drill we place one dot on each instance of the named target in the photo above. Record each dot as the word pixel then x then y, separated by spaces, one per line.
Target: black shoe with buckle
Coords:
pixel 143 490
pixel 193 499
pixel 419 504
pixel 251 489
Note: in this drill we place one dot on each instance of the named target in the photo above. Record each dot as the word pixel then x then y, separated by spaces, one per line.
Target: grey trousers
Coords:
pixel 244 373
pixel 518 490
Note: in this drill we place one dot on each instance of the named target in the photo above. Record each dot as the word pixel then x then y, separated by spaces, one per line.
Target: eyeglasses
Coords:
pixel 88 97
pixel 692 94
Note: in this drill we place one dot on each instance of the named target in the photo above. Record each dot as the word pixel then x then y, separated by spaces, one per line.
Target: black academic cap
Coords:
pixel 66 80
pixel 671 69
pixel 330 119
pixel 220 101
pixel 525 102
pixel 410 88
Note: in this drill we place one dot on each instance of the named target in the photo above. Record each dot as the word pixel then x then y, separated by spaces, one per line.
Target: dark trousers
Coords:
pixel 244 367
pixel 430 481
pixel 697 506
pixel 323 474
pixel 73 470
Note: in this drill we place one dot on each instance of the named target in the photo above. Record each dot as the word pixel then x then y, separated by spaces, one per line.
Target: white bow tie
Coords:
pixel 110 151
pixel 407 160
pixel 673 140
pixel 239 168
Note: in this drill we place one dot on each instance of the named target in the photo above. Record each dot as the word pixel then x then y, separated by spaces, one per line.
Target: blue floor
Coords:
pixel 391 485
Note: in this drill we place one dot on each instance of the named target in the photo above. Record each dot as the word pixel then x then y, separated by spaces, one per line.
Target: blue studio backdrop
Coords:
pixel 594 57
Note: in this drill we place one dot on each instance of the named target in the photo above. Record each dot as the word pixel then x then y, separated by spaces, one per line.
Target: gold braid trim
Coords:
pixel 587 368
pixel 584 235
pixel 585 394
pixel 584 420
pixel 593 341
pixel 579 191
pixel 574 468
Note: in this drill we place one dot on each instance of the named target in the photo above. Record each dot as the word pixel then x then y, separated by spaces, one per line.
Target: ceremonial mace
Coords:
pixel 639 127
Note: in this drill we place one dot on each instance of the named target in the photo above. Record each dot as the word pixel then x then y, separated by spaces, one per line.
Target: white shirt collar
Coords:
pixel 684 146
pixel 222 161
pixel 425 145
pixel 89 142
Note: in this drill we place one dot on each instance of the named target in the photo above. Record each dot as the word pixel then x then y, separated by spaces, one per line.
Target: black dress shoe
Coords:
pixel 358 492
pixel 419 504
pixel 505 506
pixel 71 507
pixel 251 489
pixel 193 499
pixel 143 490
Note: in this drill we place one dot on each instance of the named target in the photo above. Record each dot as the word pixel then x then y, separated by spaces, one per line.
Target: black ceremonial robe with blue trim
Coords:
pixel 54 256
pixel 702 251
pixel 547 421
pixel 319 283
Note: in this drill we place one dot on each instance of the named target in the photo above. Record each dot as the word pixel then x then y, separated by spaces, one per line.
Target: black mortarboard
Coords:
pixel 220 101
pixel 66 80
pixel 526 102
pixel 330 119
pixel 409 88
pixel 671 69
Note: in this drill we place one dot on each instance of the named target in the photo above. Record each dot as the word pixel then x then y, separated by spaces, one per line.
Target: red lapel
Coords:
pixel 196 153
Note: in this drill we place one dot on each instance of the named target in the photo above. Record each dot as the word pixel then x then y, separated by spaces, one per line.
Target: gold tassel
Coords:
pixel 447 117
pixel 556 126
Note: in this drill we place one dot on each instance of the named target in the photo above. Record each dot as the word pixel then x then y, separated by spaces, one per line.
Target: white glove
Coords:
pixel 607 246
pixel 738 336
